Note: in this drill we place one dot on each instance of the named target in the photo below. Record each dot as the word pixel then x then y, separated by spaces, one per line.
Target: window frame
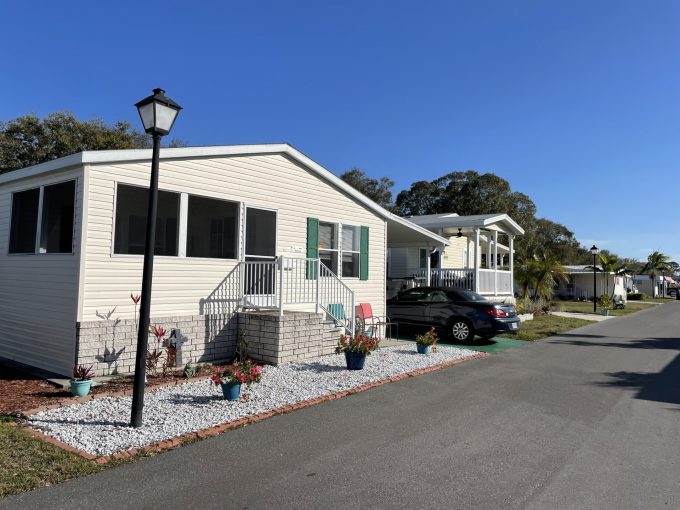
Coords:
pixel 339 250
pixel 39 220
pixel 184 227
pixel 181 224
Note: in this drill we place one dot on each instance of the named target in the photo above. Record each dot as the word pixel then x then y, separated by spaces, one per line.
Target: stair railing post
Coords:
pixel 280 264
pixel 318 278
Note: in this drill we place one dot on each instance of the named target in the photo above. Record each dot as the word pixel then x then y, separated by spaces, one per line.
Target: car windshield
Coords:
pixel 466 295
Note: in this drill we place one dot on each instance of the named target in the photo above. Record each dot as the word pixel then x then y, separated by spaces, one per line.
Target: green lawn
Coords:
pixel 656 300
pixel 27 462
pixel 546 325
pixel 585 307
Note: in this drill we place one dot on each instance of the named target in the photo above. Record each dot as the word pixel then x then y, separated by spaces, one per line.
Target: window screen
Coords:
pixel 211 228
pixel 24 221
pixel 131 210
pixel 57 218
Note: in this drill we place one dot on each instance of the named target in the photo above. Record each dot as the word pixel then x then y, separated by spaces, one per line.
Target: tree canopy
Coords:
pixel 29 140
pixel 378 190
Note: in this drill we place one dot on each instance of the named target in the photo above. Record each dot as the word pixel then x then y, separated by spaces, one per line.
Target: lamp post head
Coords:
pixel 594 250
pixel 158 112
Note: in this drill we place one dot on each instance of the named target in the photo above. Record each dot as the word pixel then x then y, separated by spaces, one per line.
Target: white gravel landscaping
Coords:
pixel 100 427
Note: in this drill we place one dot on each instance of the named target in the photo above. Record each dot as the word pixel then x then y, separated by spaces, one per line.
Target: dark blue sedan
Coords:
pixel 460 314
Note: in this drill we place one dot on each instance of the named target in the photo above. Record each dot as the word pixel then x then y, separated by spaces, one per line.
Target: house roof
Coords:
pixel 453 221
pixel 395 223
pixel 583 269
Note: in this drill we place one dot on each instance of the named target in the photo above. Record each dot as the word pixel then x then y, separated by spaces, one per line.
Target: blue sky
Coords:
pixel 574 103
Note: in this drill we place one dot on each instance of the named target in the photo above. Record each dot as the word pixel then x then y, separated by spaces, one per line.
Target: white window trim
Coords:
pixel 339 250
pixel 184 219
pixel 38 231
pixel 245 227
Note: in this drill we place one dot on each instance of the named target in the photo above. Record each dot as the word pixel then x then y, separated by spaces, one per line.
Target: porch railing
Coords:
pixel 286 281
pixel 490 281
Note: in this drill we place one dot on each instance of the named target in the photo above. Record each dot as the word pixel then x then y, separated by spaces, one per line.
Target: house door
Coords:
pixel 259 284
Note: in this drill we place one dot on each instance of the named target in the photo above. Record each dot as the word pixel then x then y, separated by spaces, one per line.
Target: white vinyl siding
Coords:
pixel 39 291
pixel 268 181
pixel 454 256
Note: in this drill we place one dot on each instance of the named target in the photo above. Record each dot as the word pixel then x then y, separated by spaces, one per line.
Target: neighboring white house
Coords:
pixel 473 260
pixel 580 284
pixel 255 227
pixel 655 287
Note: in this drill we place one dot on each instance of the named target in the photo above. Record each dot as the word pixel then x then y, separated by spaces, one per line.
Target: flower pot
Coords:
pixel 423 349
pixel 231 391
pixel 80 388
pixel 355 360
pixel 605 312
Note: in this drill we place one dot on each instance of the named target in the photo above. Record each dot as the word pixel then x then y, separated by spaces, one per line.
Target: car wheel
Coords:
pixel 461 331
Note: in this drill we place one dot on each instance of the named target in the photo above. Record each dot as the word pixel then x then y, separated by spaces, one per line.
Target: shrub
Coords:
pixel 429 338
pixel 538 307
pixel 637 296
pixel 605 302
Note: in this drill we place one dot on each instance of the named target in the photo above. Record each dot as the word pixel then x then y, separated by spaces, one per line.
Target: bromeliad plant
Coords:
pixel 427 339
pixel 82 373
pixel 241 372
pixel 361 344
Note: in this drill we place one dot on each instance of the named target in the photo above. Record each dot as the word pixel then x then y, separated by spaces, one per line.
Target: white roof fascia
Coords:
pixel 449 221
pixel 115 156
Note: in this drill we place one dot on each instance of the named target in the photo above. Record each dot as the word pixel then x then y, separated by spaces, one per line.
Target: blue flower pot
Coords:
pixel 231 391
pixel 423 349
pixel 355 360
pixel 80 388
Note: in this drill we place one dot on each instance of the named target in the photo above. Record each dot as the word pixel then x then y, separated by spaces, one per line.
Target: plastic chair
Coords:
pixel 337 312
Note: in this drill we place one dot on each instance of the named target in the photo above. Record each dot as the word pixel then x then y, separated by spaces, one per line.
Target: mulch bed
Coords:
pixel 21 391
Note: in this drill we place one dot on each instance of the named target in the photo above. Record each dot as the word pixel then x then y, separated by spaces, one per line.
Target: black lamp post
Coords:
pixel 594 251
pixel 158 114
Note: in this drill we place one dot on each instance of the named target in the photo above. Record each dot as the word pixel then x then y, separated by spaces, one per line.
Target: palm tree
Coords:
pixel 610 264
pixel 657 263
pixel 549 272
pixel 525 276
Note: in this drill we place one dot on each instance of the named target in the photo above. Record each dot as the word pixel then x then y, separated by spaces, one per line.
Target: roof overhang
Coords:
pixel 451 222
pixel 406 230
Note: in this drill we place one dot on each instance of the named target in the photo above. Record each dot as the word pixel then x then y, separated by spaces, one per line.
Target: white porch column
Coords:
pixel 477 260
pixel 488 251
pixel 511 239
pixel 495 262
pixel 428 267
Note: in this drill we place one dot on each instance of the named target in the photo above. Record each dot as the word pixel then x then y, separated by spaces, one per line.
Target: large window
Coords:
pixel 351 239
pixel 131 211
pixel 211 228
pixel 56 234
pixel 56 222
pixel 328 245
pixel 24 221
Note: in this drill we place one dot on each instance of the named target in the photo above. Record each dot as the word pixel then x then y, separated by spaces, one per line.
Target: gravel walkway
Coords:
pixel 100 427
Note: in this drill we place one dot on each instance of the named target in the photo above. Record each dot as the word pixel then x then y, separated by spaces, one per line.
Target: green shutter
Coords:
pixel 363 257
pixel 312 246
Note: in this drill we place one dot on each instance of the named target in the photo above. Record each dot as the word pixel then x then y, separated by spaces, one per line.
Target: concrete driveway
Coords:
pixel 588 419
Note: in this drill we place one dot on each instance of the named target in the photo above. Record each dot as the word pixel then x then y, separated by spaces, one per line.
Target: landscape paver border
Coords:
pixel 176 441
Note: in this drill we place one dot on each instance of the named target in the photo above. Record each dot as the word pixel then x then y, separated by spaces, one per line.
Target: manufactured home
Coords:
pixel 581 284
pixel 256 238
pixel 474 259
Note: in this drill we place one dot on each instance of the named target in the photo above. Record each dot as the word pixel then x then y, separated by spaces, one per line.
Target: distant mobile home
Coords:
pixel 258 238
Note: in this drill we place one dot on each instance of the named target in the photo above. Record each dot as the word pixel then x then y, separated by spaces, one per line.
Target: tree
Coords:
pixel 657 263
pixel 29 140
pixel 549 272
pixel 609 264
pixel 378 190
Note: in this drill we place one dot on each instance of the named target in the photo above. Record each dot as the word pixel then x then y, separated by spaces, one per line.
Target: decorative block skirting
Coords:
pixel 110 346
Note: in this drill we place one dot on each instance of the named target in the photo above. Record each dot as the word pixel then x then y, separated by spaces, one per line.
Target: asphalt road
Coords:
pixel 588 419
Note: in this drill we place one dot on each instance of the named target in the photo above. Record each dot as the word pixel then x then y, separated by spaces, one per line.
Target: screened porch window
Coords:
pixel 131 210
pixel 212 228
pixel 24 226
pixel 56 222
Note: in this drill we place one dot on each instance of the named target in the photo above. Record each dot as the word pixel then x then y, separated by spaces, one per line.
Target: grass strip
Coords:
pixel 544 326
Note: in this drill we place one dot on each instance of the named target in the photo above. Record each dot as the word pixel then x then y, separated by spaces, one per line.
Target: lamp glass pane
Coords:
pixel 165 117
pixel 146 114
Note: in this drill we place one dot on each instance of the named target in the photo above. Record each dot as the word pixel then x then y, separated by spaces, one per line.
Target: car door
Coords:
pixel 410 307
pixel 439 308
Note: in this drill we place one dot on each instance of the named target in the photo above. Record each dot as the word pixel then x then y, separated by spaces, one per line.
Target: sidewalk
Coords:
pixel 586 316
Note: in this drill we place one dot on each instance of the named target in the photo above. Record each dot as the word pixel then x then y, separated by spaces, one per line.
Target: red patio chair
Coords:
pixel 371 323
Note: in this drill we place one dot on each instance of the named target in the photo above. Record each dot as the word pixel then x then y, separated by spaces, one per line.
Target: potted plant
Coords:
pixel 356 349
pixel 427 343
pixel 232 377
pixel 605 303
pixel 82 380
